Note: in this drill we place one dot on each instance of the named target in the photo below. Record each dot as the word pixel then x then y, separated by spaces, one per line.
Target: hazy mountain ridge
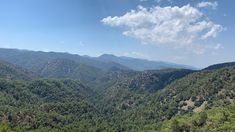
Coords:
pixel 141 64
pixel 33 59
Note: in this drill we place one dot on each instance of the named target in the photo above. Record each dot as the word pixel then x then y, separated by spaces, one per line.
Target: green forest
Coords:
pixel 64 93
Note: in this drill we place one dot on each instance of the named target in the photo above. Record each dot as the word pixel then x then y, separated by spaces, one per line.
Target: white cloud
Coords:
pixel 184 26
pixel 207 4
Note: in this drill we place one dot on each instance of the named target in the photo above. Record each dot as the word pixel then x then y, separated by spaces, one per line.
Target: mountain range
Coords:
pixel 34 59
pixel 49 91
pixel 140 64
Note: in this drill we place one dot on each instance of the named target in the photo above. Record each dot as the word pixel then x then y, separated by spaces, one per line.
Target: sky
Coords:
pixel 191 32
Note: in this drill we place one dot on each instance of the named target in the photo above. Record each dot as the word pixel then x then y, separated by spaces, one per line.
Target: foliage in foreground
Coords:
pixel 216 119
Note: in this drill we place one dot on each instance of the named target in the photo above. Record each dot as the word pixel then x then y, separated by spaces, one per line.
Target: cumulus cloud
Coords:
pixel 207 4
pixel 184 26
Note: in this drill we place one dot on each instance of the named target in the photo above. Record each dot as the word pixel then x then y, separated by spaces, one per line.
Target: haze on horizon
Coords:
pixel 191 32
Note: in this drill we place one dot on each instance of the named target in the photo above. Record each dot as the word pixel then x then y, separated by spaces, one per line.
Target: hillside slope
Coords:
pixel 88 75
pixel 65 68
pixel 10 71
pixel 48 105
pixel 151 81
pixel 218 66
pixel 192 94
pixel 130 92
pixel 215 119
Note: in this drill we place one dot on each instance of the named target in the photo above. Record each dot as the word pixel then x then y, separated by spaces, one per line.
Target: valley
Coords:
pixel 51 91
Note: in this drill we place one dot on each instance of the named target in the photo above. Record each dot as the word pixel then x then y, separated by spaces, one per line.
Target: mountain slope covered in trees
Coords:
pixel 10 71
pixel 46 105
pixel 153 80
pixel 215 119
pixel 192 94
pixel 65 68
pixel 218 66
pixel 65 95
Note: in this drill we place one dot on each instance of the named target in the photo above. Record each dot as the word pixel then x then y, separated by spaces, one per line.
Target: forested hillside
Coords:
pixel 215 119
pixel 45 105
pixel 13 72
pixel 191 94
pixel 151 81
pixel 65 68
pixel 65 95
pixel 218 66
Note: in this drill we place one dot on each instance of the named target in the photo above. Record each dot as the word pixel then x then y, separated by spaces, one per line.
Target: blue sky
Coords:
pixel 95 27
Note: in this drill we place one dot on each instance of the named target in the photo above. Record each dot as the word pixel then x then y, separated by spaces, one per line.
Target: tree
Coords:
pixel 175 126
pixel 202 119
